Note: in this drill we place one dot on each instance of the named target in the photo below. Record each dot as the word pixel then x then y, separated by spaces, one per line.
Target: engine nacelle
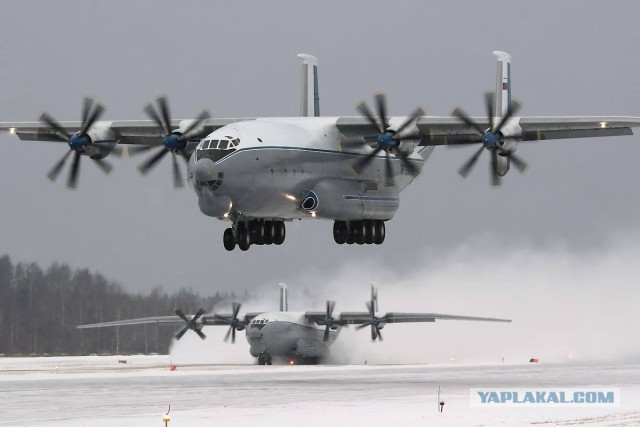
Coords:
pixel 103 141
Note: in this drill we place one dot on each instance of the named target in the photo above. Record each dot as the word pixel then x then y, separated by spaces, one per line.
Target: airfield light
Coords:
pixel 12 131
pixel 603 125
pixel 291 362
pixel 453 359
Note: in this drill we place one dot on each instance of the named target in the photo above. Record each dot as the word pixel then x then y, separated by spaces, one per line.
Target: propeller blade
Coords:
pixel 177 175
pixel 513 109
pixel 470 164
pixel 104 165
pixel 153 115
pixel 364 110
pixel 182 332
pixel 457 112
pixel 45 118
pixel 379 333
pixel 371 308
pixel 166 115
pixel 181 315
pixel 236 309
pixel 233 335
pixel 381 103
pixel 418 112
pixel 57 168
pixel 87 103
pixel 495 178
pixel 193 129
pixel 226 336
pixel 72 182
pixel 197 315
pixel 95 115
pixel 363 162
pixel 364 325
pixel 388 173
pixel 150 163
pixel 374 335
pixel 519 163
pixel 326 334
pixel 200 334
pixel 490 106
pixel 413 170
pixel 120 151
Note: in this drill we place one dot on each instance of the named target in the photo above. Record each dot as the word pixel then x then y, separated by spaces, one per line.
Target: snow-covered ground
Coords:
pixel 100 391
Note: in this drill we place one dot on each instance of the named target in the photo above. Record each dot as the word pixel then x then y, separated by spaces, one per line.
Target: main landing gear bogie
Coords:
pixel 359 232
pixel 256 232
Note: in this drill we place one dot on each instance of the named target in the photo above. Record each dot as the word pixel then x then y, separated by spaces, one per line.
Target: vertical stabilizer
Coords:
pixel 503 83
pixel 310 99
pixel 374 297
pixel 284 303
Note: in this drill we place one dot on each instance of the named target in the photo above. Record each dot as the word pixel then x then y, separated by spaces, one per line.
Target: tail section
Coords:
pixel 503 83
pixel 310 99
pixel 284 302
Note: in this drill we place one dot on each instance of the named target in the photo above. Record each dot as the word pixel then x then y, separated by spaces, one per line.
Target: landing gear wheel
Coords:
pixel 280 232
pixel 256 231
pixel 267 360
pixel 357 231
pixel 268 233
pixel 228 240
pixel 380 232
pixel 340 232
pixel 261 359
pixel 244 238
pixel 369 230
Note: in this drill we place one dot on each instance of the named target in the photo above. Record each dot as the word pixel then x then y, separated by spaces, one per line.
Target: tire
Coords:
pixel 244 239
pixel 256 230
pixel 357 229
pixel 380 232
pixel 228 240
pixel 280 232
pixel 369 231
pixel 268 233
pixel 340 232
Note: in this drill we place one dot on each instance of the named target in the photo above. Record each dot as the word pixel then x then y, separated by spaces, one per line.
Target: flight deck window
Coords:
pixel 223 144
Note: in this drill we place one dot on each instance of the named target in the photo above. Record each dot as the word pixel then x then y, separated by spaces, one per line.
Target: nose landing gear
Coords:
pixel 255 232
pixel 359 232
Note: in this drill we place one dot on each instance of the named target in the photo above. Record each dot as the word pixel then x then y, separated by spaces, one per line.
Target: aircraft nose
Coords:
pixel 205 170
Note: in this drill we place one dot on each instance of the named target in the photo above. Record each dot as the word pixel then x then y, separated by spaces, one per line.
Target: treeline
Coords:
pixel 40 309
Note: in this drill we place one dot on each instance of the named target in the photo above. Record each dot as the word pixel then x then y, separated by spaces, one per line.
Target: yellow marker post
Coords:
pixel 166 417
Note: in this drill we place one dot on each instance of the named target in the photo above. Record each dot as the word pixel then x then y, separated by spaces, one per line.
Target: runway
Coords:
pixel 102 391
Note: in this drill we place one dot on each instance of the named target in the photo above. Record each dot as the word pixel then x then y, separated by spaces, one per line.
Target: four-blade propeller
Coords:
pixel 373 322
pixel 191 323
pixel 491 139
pixel 234 323
pixel 91 112
pixel 329 321
pixel 174 140
pixel 388 139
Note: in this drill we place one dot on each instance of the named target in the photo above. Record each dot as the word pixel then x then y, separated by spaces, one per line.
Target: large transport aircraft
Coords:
pixel 284 336
pixel 257 173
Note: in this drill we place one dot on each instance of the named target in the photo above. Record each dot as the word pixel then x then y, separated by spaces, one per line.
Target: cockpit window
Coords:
pixel 206 147
pixel 223 144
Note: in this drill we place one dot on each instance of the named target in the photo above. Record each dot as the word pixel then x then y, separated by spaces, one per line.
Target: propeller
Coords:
pixel 234 322
pixel 388 139
pixel 329 321
pixel 373 321
pixel 491 138
pixel 91 112
pixel 174 140
pixel 191 323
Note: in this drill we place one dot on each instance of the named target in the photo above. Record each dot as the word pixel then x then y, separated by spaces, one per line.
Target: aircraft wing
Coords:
pixel 451 131
pixel 206 320
pixel 142 132
pixel 359 318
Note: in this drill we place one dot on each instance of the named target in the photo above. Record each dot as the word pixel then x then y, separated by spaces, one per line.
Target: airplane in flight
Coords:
pixel 294 337
pixel 258 173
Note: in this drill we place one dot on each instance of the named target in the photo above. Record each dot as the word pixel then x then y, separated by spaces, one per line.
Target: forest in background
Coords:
pixel 40 309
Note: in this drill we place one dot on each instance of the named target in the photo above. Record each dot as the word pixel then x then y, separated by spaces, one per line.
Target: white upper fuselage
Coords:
pixel 263 168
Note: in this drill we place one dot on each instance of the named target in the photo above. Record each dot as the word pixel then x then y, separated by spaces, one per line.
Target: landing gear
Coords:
pixel 359 232
pixel 256 232
pixel 264 359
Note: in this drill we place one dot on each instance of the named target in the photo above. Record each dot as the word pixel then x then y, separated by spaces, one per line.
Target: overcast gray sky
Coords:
pixel 239 59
